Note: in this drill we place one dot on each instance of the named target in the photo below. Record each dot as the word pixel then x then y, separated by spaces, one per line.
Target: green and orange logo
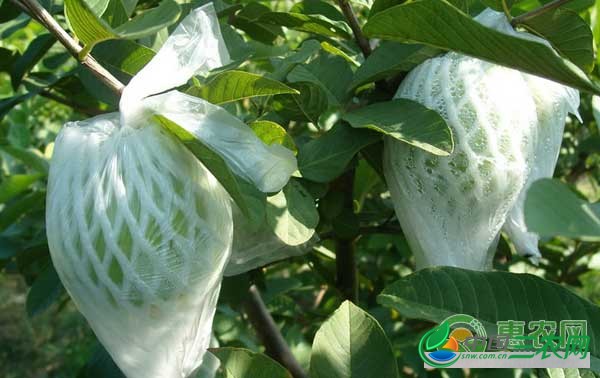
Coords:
pixel 441 346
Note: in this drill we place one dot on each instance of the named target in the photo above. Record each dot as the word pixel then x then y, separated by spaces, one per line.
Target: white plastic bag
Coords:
pixel 139 230
pixel 258 245
pixel 553 102
pixel 452 209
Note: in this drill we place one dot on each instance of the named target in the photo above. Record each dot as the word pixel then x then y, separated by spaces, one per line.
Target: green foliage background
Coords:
pixel 308 46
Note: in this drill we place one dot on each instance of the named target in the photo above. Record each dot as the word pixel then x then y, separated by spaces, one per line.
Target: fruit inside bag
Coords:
pixel 553 102
pixel 453 208
pixel 139 230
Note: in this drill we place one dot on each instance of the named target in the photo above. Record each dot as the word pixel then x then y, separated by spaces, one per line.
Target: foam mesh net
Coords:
pixel 140 232
pixel 507 127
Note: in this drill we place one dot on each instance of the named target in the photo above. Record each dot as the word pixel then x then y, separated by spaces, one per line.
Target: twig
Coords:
pixel 345 257
pixel 267 331
pixel 381 229
pixel 360 38
pixel 346 273
pixel 38 13
pixel 536 12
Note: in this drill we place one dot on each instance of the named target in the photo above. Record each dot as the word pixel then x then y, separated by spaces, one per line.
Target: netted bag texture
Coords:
pixel 553 103
pixel 451 209
pixel 505 125
pixel 139 232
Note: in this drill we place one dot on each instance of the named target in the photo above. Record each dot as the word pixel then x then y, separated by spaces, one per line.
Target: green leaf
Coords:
pixel 99 90
pixel 391 58
pixel 46 289
pixel 8 248
pixel 326 46
pixel 474 7
pixel 436 293
pixel 100 365
pixel 55 61
pixel 115 14
pixel 8 11
pixel 7 59
pixel 91 29
pixel 305 52
pixel 32 55
pixel 315 23
pixel 87 26
pixel 16 184
pixel 13 211
pixel 231 86
pixel 7 104
pixel 325 158
pixel 407 121
pixel 568 33
pixel 318 7
pixel 256 202
pixel 272 133
pixel 419 22
pixel 129 6
pixel 71 88
pixel 308 106
pixel 498 4
pixel 239 49
pixel 552 209
pixel 352 344
pixel 292 214
pixel 242 363
pixel 126 56
pixel 97 6
pixel 381 5
pixel 577 6
pixel 30 157
pixel 213 162
pixel 247 20
pixel 151 21
pixel 330 72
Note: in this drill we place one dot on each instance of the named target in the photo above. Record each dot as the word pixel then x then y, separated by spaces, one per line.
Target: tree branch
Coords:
pixel 267 331
pixel 346 273
pixel 381 229
pixel 38 13
pixel 361 40
pixel 345 259
pixel 536 12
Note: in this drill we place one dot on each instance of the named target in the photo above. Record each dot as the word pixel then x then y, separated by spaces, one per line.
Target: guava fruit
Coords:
pixel 507 126
pixel 139 232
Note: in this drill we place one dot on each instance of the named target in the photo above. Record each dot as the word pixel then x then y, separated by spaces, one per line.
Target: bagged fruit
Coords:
pixel 506 125
pixel 139 230
pixel 553 102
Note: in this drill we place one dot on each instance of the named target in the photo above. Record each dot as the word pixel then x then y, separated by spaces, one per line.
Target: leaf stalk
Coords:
pixel 538 11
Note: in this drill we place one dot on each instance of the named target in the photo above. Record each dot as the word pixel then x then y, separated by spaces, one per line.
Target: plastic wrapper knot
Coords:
pixel 139 230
